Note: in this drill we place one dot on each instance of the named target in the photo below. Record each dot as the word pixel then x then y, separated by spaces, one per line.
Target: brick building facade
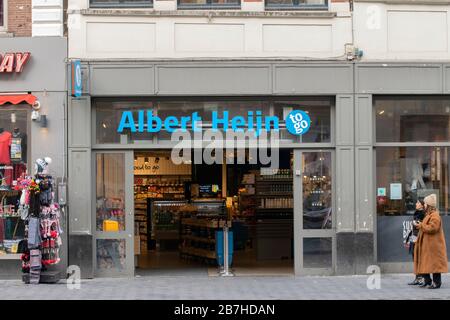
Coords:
pixel 15 20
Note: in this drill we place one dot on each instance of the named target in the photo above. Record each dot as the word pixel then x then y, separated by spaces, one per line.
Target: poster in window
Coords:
pixel 381 192
pixel 396 191
pixel 16 149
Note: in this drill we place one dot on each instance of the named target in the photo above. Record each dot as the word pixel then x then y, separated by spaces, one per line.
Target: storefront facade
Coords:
pixel 36 81
pixel 364 150
pixel 235 87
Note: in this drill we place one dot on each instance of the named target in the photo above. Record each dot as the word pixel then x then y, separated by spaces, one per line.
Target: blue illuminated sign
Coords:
pixel 297 122
pixel 77 83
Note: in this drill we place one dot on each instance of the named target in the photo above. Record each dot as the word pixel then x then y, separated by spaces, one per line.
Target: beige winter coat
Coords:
pixel 430 252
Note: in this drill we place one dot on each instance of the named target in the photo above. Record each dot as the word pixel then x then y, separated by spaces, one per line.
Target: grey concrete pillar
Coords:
pixel 80 185
pixel 345 184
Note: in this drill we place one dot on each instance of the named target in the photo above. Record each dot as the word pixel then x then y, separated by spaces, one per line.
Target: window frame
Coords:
pixel 377 143
pixel 4 26
pixel 23 108
pixel 162 143
pixel 208 6
pixel 28 131
pixel 123 4
pixel 278 7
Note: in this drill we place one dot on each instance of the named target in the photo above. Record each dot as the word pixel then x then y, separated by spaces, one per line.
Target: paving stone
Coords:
pixel 393 286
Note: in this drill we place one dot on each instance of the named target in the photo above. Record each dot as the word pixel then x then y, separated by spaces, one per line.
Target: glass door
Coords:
pixel 113 209
pixel 313 212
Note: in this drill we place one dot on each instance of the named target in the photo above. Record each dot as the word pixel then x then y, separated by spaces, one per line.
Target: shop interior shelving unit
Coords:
pixel 149 188
pixel 274 216
pixel 198 230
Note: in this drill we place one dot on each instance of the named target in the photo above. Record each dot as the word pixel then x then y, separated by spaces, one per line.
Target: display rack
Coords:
pixel 247 199
pixel 274 194
pixel 198 230
pixel 12 226
pixel 274 214
pixel 165 219
pixel 160 186
pixel 140 219
pixel 148 188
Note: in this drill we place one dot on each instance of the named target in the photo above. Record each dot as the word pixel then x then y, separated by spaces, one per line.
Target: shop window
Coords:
pixel 209 4
pixel 110 192
pixel 2 14
pixel 296 4
pixel 317 252
pixel 319 112
pixel 317 190
pixel 404 175
pixel 111 255
pixel 205 109
pixel 13 165
pixel 421 119
pixel 120 3
pixel 109 113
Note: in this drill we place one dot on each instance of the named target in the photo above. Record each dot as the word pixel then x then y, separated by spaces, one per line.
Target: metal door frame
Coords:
pixel 299 232
pixel 128 233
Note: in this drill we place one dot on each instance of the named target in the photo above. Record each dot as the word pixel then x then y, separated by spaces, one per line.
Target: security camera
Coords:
pixel 35 115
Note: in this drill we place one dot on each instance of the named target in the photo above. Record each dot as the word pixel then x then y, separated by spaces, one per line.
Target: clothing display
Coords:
pixel 34 234
pixel 5 143
pixel 2 230
pixel 43 231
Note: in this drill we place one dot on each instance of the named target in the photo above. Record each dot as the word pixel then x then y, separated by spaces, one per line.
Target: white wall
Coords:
pixel 125 36
pixel 402 32
pixel 47 18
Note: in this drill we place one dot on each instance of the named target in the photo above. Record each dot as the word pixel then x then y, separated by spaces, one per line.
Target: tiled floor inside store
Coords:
pixel 245 264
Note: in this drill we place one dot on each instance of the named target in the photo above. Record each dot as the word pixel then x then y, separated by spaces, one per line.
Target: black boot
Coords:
pixel 417 281
pixel 425 283
pixel 435 286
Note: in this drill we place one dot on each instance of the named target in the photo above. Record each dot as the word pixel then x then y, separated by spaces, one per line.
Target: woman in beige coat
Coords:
pixel 430 249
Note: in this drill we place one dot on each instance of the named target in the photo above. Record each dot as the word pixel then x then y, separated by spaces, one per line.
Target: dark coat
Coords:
pixel 430 252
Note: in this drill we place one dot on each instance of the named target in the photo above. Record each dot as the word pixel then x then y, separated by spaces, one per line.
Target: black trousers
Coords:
pixel 436 278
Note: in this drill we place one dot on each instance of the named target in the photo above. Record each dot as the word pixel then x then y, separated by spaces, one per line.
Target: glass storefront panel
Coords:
pixel 405 174
pixel 110 192
pixel 111 255
pixel 14 137
pixel 317 252
pixel 108 115
pixel 317 190
pixel 320 113
pixel 412 119
pixel 205 108
pixel 109 112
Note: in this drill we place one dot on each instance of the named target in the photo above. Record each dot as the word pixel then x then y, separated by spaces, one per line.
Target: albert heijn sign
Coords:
pixel 13 62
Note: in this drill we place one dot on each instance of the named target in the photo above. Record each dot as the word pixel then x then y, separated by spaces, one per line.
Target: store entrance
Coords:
pixel 178 210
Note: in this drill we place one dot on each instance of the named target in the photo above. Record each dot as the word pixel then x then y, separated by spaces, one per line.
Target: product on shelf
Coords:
pixel 199 223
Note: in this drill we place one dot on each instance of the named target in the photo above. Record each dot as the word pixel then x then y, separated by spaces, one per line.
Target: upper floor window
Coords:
pixel 412 119
pixel 209 4
pixel 120 3
pixel 296 4
pixel 2 13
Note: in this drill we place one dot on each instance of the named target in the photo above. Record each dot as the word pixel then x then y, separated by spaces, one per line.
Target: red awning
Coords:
pixel 17 98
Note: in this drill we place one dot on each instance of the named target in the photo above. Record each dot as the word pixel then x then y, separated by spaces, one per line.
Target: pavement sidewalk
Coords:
pixel 393 286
